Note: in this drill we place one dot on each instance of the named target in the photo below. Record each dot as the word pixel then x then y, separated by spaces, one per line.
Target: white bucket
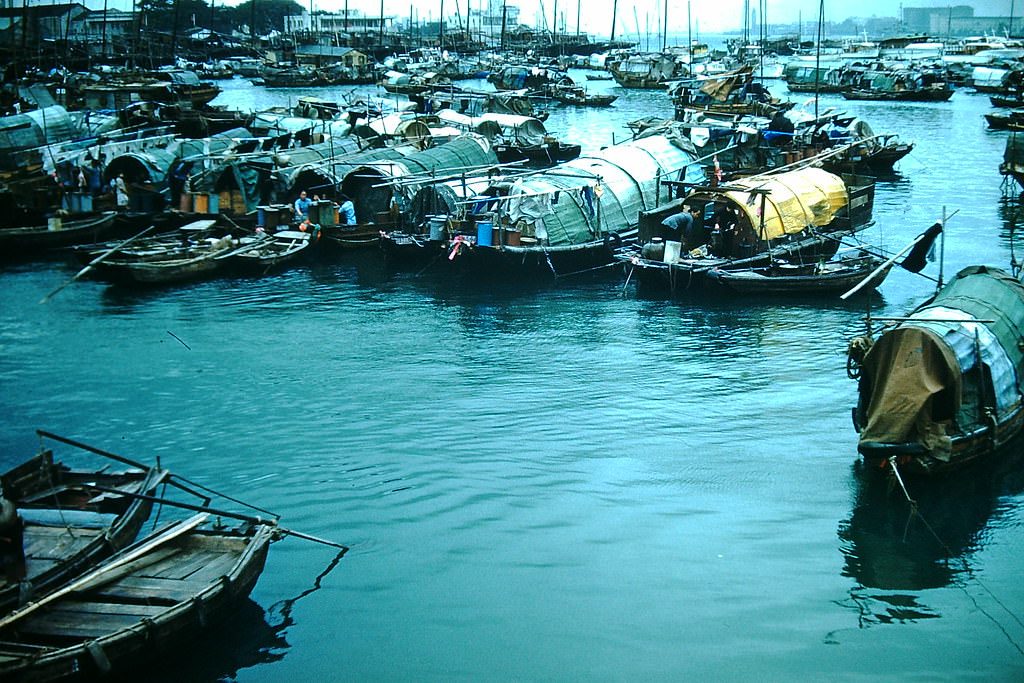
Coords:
pixel 437 227
pixel 672 251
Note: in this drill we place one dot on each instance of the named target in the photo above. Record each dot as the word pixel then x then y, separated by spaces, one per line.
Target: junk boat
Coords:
pixel 942 387
pixel 801 214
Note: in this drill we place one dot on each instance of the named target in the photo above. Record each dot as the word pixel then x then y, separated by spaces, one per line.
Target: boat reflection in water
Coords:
pixel 893 552
pixel 250 637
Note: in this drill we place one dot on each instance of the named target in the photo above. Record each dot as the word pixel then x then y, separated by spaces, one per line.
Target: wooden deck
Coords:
pixel 140 590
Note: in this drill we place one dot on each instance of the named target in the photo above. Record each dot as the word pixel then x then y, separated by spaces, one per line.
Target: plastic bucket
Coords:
pixel 512 237
pixel 185 203
pixel 436 228
pixel 483 234
pixel 201 202
pixel 672 251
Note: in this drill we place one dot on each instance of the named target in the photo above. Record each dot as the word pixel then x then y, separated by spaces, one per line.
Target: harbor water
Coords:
pixel 565 482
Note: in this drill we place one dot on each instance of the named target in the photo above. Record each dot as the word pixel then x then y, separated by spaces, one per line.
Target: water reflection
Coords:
pixel 245 639
pixel 249 637
pixel 893 550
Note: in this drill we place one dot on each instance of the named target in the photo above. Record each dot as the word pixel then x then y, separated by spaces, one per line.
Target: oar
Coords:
pixel 222 513
pixel 187 506
pixel 171 533
pixel 96 260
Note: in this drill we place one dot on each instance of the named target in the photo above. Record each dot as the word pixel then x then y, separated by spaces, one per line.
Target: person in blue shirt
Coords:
pixel 685 227
pixel 302 205
pixel 346 210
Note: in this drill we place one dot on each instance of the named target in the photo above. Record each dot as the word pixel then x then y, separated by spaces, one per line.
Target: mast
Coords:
pixel 577 18
pixel 615 10
pixel 554 25
pixel 689 37
pixel 637 22
pixel 664 29
pixel 504 16
pixel 382 23
pixel 440 27
pixel 103 49
pixel 817 57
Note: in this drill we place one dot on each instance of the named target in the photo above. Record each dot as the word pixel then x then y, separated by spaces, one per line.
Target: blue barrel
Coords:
pixel 483 233
pixel 261 216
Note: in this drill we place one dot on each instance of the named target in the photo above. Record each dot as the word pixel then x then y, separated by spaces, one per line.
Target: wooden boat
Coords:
pixel 912 95
pixel 198 250
pixel 940 388
pixel 548 153
pixel 57 233
pixel 1012 120
pixel 261 253
pixel 772 221
pixel 159 594
pixel 72 519
pixel 578 96
pixel 1004 101
pixel 809 279
pixel 506 258
pixel 1013 159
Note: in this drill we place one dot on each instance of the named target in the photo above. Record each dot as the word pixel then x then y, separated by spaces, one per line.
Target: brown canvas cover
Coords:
pixel 910 387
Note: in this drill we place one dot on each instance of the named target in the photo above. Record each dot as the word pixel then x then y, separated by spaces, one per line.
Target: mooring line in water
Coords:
pixel 632 267
pixel 916 512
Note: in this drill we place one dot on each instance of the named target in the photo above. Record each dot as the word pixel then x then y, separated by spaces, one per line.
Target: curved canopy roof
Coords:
pixel 792 202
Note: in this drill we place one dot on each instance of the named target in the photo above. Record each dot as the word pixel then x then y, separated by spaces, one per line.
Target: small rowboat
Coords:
pixel 57 233
pixel 72 519
pixel 160 593
pixel 811 279
pixel 268 251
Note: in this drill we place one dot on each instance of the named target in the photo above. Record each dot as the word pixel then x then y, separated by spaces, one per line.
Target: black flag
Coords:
pixel 915 260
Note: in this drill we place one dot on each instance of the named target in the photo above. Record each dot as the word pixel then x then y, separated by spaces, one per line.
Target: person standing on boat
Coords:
pixel 94 175
pixel 347 210
pixel 684 227
pixel 302 205
pixel 121 192
pixel 724 223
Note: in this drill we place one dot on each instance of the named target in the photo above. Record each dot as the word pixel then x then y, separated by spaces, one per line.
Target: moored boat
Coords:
pixel 816 278
pixel 161 593
pixel 752 222
pixel 70 519
pixel 58 232
pixel 262 253
pixel 940 388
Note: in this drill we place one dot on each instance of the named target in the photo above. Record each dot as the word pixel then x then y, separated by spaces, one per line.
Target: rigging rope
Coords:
pixel 915 512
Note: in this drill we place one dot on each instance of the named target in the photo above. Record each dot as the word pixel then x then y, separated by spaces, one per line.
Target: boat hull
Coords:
pixel 169 597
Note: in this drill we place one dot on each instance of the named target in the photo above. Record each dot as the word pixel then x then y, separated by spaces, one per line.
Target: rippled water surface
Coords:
pixel 567 482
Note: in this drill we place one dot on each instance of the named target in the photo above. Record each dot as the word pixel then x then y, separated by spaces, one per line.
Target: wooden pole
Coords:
pixel 95 261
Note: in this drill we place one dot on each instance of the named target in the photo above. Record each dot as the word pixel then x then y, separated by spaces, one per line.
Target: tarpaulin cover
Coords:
pixel 523 130
pixel 794 201
pixel 913 376
pixel 911 383
pixel 593 195
pixel 719 87
pixel 36 128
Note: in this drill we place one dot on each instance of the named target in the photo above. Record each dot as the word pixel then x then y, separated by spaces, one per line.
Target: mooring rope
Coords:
pixel 915 512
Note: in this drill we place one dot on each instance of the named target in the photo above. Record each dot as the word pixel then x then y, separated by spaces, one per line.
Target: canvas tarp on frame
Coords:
pixel 793 201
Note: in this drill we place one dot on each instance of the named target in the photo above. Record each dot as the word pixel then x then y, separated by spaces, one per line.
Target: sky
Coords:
pixel 705 16
pixel 711 16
